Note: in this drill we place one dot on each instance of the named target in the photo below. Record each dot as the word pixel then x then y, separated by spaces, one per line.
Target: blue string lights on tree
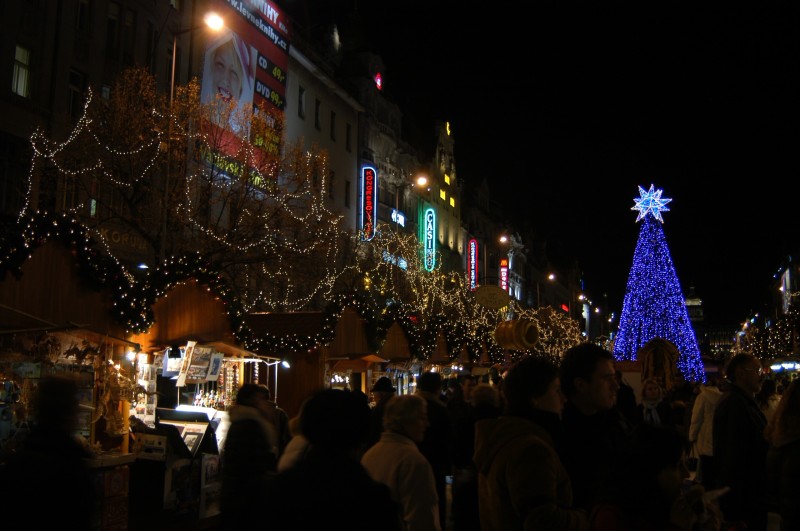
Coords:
pixel 654 304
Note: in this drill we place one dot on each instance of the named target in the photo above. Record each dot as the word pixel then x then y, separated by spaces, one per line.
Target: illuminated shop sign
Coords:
pixel 504 274
pixel 472 266
pixel 369 201
pixel 430 239
pixel 398 217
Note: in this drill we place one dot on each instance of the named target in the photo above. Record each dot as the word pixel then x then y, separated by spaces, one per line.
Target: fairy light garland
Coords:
pixel 253 263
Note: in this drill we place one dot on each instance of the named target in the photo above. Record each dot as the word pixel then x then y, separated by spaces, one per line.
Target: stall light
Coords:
pixel 285 364
pixel 143 266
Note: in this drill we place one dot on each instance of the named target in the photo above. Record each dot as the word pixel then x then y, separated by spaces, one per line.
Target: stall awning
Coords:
pixel 360 364
pixel 15 321
pixel 238 352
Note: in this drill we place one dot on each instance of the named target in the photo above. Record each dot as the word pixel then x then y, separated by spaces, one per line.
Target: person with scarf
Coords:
pixel 653 409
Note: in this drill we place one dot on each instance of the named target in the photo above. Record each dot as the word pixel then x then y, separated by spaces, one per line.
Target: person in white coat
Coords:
pixel 396 462
pixel 700 431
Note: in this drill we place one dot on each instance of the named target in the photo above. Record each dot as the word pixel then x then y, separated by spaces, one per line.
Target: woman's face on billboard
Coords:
pixel 227 72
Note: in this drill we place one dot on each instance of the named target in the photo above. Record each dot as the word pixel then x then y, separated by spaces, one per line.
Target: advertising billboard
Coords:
pixel 244 67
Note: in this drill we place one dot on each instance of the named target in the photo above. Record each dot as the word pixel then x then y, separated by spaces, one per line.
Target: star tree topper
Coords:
pixel 650 201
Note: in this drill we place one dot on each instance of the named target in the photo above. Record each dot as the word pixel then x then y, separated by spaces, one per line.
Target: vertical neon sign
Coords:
pixel 504 274
pixel 430 239
pixel 369 201
pixel 472 266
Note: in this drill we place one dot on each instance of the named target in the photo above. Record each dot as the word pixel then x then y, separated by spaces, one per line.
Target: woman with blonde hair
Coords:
pixel 783 459
pixel 653 409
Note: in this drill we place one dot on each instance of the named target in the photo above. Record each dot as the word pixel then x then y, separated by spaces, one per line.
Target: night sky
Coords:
pixel 566 109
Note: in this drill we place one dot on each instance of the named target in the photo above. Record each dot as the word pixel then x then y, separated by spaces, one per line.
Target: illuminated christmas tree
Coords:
pixel 654 304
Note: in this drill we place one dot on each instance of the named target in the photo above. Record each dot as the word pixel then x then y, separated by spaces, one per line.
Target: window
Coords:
pixel 128 38
pixel 333 125
pixel 442 194
pixel 446 179
pixel 301 102
pixel 77 86
pixel 348 138
pixel 453 202
pixel 112 31
pixel 151 42
pixel 317 112
pixel 82 15
pixel 20 84
pixel 347 194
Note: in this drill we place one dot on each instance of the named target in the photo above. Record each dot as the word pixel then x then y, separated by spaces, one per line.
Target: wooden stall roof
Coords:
pixel 484 359
pixel 440 354
pixel 358 364
pixel 51 295
pixel 188 311
pixel 396 346
pixel 349 336
pixel 285 323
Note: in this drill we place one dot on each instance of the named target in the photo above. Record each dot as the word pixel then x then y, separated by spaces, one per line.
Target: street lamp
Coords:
pixel 215 22
pixel 502 239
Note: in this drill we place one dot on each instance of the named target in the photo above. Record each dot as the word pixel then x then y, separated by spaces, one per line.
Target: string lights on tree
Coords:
pixel 654 305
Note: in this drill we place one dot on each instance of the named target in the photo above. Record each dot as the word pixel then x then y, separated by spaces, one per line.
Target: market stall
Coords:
pixel 57 317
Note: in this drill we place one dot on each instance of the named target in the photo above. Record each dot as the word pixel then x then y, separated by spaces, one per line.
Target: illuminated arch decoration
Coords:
pixel 369 202
pixel 429 239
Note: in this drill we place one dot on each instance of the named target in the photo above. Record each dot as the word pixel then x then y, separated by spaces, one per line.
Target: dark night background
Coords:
pixel 566 108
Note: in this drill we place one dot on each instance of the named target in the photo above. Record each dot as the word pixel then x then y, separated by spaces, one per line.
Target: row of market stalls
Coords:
pixel 162 356
pixel 181 341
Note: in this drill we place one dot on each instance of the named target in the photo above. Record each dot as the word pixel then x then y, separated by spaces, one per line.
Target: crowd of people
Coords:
pixel 548 444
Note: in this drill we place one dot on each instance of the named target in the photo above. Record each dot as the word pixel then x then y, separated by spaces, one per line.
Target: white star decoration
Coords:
pixel 650 201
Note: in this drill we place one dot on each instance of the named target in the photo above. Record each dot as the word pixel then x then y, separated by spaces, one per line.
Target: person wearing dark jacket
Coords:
pixel 626 398
pixel 740 449
pixel 45 481
pixel 653 409
pixel 783 459
pixel 521 481
pixel 328 487
pixel 596 434
pixel 249 457
pixel 437 445
pixel 382 391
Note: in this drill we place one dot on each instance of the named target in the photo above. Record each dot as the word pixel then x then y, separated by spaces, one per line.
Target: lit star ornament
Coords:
pixel 650 201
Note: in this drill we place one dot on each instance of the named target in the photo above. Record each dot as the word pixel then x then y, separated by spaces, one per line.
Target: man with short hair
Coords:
pixel 740 449
pixel 595 432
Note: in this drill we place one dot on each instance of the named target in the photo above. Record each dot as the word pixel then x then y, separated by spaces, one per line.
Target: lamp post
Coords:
pixel 215 22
